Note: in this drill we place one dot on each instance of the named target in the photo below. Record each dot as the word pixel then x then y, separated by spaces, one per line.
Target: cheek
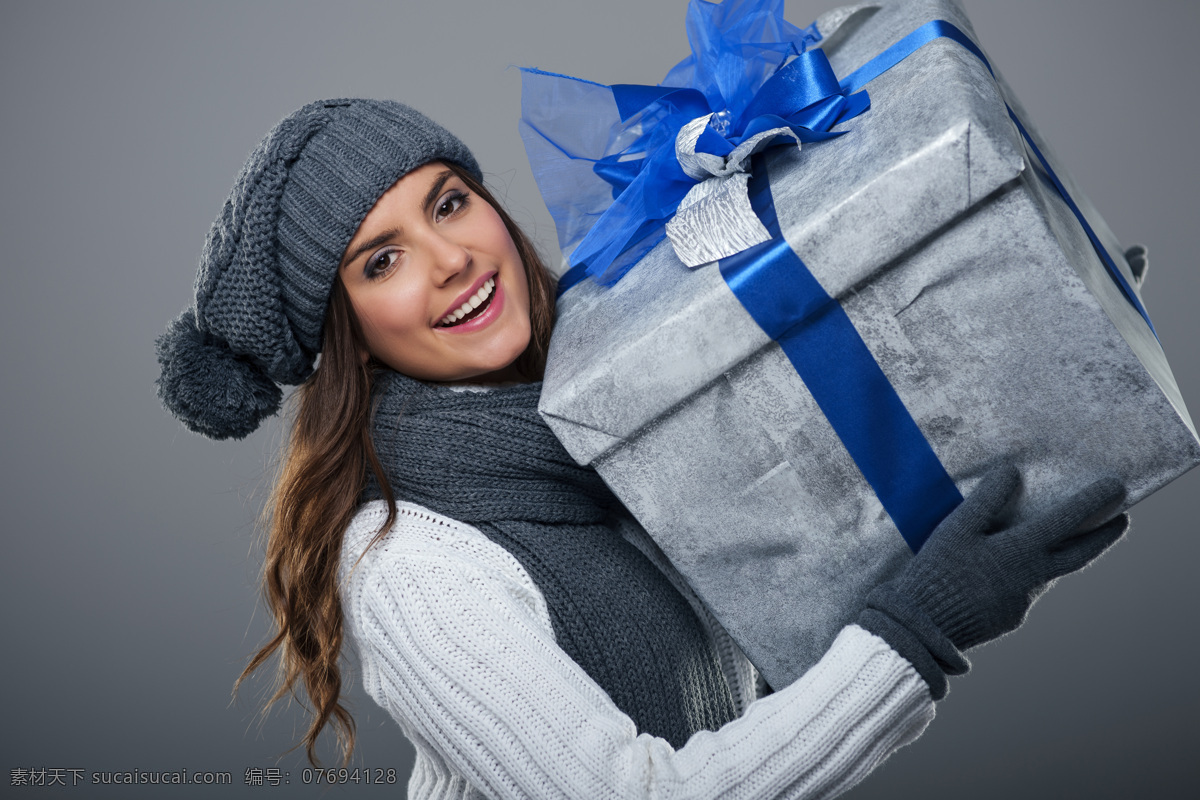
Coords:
pixel 387 319
pixel 499 241
pixel 520 282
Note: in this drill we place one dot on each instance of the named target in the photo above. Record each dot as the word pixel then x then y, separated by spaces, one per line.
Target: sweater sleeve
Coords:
pixel 456 645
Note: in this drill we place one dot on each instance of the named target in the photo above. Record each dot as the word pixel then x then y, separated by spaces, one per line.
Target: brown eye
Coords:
pixel 450 204
pixel 380 263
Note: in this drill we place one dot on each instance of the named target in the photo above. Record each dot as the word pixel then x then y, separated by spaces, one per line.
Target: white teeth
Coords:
pixel 473 302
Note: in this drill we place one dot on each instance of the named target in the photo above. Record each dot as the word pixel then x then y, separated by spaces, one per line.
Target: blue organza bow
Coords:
pixel 607 159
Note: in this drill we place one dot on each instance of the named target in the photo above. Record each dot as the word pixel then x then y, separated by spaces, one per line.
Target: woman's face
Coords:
pixel 428 249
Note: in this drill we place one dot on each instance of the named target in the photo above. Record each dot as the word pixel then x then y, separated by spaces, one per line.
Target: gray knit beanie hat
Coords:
pixel 272 255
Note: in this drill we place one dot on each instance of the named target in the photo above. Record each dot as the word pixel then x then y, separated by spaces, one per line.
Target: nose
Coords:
pixel 449 258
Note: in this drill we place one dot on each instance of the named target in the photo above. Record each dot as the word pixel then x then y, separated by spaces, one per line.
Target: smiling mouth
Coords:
pixel 473 307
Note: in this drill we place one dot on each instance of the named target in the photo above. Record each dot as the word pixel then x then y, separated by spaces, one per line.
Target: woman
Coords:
pixel 519 626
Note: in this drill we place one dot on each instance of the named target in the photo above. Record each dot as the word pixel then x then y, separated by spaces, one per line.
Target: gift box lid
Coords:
pixel 936 141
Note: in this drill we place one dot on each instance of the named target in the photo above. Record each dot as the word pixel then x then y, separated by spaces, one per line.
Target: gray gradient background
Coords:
pixel 130 598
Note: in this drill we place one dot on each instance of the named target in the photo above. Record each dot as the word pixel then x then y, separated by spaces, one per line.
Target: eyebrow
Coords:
pixel 370 244
pixel 436 188
pixel 376 241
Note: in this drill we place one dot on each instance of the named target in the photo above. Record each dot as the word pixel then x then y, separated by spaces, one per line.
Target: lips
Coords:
pixel 475 304
pixel 476 308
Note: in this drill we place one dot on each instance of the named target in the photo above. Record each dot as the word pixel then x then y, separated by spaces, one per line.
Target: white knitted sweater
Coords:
pixel 456 644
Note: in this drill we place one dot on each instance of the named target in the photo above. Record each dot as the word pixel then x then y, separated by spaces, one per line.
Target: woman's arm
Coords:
pixel 456 644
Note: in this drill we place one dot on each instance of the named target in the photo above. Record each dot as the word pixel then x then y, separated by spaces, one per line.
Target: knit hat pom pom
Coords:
pixel 212 391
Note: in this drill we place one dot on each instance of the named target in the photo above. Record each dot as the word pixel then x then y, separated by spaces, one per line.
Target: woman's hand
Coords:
pixel 976 578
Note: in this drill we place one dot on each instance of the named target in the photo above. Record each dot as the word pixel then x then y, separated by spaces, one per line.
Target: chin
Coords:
pixel 500 368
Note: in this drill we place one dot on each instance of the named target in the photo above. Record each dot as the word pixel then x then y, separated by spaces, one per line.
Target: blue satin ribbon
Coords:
pixel 804 96
pixel 1102 251
pixel 843 377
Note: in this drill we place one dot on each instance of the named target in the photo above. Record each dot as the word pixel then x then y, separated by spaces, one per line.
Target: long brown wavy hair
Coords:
pixel 316 494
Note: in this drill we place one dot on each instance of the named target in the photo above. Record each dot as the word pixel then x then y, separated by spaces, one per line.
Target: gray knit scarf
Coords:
pixel 488 459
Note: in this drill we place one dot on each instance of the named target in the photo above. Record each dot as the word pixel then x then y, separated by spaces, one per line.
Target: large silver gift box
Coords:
pixel 972 285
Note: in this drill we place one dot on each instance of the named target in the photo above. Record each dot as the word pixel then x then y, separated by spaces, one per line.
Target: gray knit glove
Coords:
pixel 975 579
